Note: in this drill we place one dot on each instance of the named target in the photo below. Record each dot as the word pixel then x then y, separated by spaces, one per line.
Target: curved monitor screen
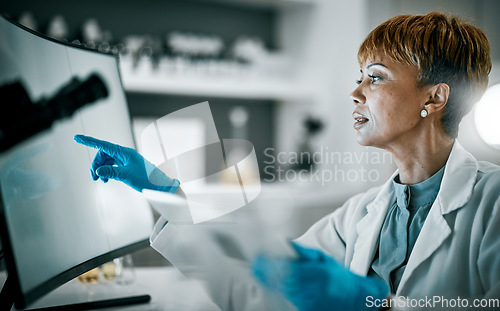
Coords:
pixel 57 219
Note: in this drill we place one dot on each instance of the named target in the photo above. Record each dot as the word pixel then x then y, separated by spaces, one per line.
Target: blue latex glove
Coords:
pixel 126 165
pixel 317 282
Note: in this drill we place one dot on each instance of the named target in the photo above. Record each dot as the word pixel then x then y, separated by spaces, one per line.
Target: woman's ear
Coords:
pixel 438 97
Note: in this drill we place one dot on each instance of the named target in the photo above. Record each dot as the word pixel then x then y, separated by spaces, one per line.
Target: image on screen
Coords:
pixel 58 221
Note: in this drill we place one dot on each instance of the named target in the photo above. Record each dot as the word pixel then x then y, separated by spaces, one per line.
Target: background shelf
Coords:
pixel 251 88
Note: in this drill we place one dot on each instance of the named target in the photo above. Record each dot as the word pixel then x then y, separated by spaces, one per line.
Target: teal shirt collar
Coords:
pixel 418 194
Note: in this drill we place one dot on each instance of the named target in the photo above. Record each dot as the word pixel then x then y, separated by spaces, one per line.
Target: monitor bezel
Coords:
pixel 24 299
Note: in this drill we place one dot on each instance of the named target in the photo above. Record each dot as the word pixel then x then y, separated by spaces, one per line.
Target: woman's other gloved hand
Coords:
pixel 126 165
pixel 315 281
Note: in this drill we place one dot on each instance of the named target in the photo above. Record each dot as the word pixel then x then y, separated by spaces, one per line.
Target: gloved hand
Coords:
pixel 315 281
pixel 126 165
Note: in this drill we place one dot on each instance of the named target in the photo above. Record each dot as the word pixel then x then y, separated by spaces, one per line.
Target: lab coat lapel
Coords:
pixel 456 189
pixel 368 229
pixel 434 232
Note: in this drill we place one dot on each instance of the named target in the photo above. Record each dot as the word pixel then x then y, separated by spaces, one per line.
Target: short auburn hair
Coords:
pixel 444 49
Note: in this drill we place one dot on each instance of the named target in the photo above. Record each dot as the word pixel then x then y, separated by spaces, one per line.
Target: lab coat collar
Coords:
pixel 458 181
pixel 457 184
pixel 368 229
pixel 456 189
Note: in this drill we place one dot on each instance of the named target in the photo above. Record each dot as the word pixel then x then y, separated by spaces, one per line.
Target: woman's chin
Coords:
pixel 362 140
pixel 367 142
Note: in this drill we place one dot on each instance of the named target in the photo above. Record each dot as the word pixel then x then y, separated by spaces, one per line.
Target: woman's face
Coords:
pixel 388 103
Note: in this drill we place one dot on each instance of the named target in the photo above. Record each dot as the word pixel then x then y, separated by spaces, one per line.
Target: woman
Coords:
pixel 432 232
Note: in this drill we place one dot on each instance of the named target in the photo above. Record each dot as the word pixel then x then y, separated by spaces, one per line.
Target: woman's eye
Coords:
pixel 374 78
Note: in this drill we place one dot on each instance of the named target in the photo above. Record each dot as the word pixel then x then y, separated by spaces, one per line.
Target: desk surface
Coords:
pixel 168 288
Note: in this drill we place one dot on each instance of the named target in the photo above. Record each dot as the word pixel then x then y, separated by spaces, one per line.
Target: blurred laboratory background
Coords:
pixel 276 72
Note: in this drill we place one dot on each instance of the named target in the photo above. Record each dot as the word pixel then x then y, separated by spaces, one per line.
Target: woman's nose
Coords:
pixel 357 97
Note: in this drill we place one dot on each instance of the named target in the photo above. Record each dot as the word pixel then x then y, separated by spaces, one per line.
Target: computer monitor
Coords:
pixel 55 221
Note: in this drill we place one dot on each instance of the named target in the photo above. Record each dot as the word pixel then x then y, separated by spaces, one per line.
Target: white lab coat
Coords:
pixel 456 254
pixel 217 253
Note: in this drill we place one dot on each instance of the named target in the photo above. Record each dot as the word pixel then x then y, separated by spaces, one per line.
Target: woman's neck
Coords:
pixel 420 159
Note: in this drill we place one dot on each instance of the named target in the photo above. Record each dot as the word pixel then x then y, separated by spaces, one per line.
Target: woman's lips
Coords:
pixel 360 120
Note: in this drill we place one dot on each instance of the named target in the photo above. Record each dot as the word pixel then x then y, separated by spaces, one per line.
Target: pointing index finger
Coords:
pixel 107 147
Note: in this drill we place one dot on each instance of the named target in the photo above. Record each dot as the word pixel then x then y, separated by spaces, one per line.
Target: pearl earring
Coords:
pixel 423 113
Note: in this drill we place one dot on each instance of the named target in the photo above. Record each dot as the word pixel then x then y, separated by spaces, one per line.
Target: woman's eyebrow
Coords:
pixel 376 64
